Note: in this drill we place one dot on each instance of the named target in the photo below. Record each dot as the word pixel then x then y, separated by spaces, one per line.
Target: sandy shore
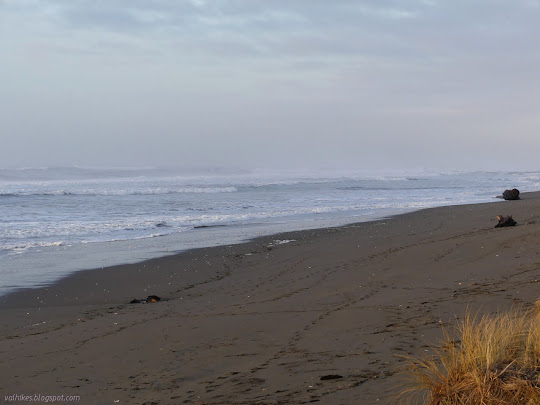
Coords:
pixel 262 322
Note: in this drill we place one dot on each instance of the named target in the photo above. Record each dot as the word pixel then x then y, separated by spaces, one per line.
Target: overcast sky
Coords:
pixel 270 83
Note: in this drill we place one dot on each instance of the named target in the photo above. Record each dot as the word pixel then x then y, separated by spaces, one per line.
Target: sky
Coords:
pixel 353 84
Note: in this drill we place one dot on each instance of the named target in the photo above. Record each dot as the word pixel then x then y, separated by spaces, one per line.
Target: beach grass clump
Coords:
pixel 484 360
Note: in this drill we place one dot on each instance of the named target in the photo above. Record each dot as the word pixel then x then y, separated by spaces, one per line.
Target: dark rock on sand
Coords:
pixel 505 221
pixel 511 194
pixel 150 299
pixel 331 377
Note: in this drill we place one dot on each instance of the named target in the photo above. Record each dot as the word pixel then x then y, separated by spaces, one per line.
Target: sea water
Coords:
pixel 54 221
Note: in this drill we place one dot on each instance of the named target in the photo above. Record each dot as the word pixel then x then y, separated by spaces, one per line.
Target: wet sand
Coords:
pixel 262 322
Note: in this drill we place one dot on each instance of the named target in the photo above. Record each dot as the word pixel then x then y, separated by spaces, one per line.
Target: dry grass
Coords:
pixel 495 359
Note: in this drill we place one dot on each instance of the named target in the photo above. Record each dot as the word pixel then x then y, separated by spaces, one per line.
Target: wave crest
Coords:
pixel 124 192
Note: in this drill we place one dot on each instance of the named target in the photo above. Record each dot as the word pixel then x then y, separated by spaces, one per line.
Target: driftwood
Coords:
pixel 505 221
pixel 511 194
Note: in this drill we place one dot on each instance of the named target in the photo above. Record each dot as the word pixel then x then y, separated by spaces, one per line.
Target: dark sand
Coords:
pixel 261 323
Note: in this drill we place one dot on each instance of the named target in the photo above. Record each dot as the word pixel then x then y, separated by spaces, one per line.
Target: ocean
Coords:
pixel 54 221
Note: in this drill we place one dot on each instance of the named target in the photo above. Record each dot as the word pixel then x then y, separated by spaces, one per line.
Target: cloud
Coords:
pixel 297 71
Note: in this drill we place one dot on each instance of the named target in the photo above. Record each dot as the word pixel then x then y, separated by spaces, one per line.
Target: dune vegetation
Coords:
pixel 484 360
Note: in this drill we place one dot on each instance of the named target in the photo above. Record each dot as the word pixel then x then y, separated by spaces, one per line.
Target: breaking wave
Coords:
pixel 123 192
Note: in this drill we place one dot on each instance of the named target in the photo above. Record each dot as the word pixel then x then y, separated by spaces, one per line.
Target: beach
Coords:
pixel 267 321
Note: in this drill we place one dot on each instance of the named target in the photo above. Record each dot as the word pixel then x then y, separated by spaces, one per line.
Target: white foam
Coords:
pixel 116 192
pixel 276 242
pixel 19 248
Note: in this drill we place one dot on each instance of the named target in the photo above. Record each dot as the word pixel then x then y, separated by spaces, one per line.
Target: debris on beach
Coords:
pixel 149 300
pixel 505 221
pixel 511 194
pixel 280 242
pixel 331 377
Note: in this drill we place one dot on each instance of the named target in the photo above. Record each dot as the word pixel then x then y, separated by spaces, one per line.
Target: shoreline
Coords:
pixel 79 242
pixel 264 239
pixel 238 238
pixel 99 255
pixel 261 322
